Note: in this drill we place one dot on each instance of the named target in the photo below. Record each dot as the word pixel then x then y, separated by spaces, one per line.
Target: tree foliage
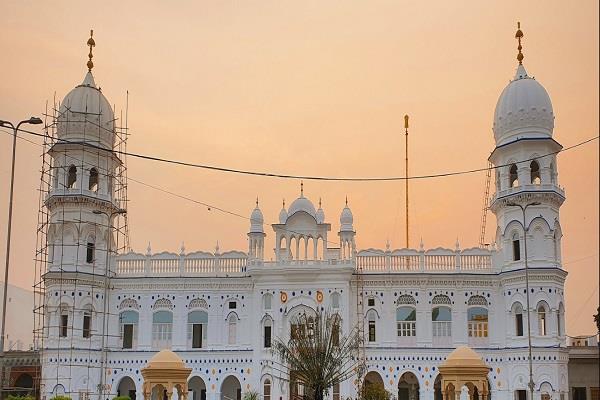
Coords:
pixel 317 355
pixel 597 318
pixel 375 391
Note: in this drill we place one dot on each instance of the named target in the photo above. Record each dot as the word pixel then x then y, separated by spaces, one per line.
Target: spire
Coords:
pixel 301 188
pixel 283 203
pixel 346 201
pixel 92 44
pixel 319 202
pixel 518 36
pixel 256 201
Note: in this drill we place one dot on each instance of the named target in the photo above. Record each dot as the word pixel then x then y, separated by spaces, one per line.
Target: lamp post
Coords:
pixel 7 124
pixel 525 231
pixel 105 305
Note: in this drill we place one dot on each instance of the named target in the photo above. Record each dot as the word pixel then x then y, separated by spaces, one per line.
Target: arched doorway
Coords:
pixel 408 387
pixel 231 389
pixel 24 385
pixel 126 388
pixel 373 378
pixel 198 388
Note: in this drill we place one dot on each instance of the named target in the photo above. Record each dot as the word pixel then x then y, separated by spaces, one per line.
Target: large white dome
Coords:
pixel 524 109
pixel 86 115
pixel 302 204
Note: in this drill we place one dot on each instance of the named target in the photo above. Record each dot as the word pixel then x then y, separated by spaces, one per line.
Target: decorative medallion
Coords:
pixel 283 296
pixel 319 296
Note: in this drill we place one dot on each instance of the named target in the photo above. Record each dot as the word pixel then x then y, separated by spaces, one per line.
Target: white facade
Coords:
pixel 213 309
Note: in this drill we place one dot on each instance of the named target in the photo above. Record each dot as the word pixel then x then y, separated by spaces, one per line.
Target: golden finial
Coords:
pixel 319 202
pixel 519 35
pixel 346 201
pixel 406 121
pixel 92 44
pixel 283 203
pixel 301 188
pixel 256 201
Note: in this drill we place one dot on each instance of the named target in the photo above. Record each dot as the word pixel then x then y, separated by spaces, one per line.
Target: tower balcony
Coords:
pixel 548 189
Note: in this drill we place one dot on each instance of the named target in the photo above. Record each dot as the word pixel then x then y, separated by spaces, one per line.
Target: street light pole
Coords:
pixel 7 124
pixel 105 304
pixel 525 231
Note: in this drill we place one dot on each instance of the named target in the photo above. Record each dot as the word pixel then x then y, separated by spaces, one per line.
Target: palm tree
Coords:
pixel 317 355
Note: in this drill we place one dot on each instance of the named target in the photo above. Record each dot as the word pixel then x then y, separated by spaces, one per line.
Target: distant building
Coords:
pixel 220 311
pixel 19 318
pixel 22 373
pixel 584 368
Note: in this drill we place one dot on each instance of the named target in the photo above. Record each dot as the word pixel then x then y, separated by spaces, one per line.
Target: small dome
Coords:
pixel 346 220
pixel 524 109
pixel 166 359
pixel 256 220
pixel 320 214
pixel 86 114
pixel 463 356
pixel 302 204
pixel 283 215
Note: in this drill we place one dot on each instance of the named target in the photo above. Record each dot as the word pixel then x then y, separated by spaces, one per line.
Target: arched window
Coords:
pixel 441 318
pixel 497 180
pixel 478 322
pixel 560 314
pixel 197 328
pixel 64 321
pixel 93 182
pixel 72 177
pixel 552 173
pixel 513 176
pixel 535 173
pixel 86 328
pixel 335 300
pixel 267 390
pixel 406 321
pixel 518 313
pixel 335 329
pixel 516 247
pixel 267 333
pixel 267 300
pixel 372 318
pixel 129 322
pixel 162 329
pixel 90 251
pixel 232 328
pixel 542 324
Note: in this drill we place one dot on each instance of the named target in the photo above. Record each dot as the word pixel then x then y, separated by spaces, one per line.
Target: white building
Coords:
pixel 220 311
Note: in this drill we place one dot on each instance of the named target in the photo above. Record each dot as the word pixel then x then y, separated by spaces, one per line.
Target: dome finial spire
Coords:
pixel 256 201
pixel 301 188
pixel 92 44
pixel 519 35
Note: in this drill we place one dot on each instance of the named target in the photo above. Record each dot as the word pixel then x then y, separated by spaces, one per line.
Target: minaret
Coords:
pixel 526 173
pixel 82 208
pixel 347 233
pixel 256 235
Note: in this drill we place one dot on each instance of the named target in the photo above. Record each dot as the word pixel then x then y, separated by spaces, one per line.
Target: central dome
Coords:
pixel 302 204
pixel 524 109
pixel 166 359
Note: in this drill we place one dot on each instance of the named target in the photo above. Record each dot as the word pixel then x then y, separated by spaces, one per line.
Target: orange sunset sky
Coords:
pixel 314 88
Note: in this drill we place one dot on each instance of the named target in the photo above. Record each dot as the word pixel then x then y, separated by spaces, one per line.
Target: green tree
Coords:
pixel 375 391
pixel 317 355
pixel 597 319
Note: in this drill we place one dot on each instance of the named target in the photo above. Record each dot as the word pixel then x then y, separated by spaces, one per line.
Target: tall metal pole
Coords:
pixel 105 304
pixel 525 232
pixel 15 129
pixel 406 175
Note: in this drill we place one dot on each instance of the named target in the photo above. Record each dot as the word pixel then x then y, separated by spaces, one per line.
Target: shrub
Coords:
pixel 375 392
pixel 16 397
pixel 60 397
pixel 251 395
pixel 121 398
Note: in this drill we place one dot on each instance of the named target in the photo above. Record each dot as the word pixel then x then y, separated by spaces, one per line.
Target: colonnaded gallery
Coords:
pixel 219 312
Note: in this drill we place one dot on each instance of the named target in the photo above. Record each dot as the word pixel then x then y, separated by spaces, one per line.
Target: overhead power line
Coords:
pixel 303 177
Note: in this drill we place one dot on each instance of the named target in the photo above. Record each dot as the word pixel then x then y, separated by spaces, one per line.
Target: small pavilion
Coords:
pixel 166 372
pixel 464 367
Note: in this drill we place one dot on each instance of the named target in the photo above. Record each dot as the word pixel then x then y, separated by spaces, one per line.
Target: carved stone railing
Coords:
pixel 548 187
pixel 232 263
pixel 435 260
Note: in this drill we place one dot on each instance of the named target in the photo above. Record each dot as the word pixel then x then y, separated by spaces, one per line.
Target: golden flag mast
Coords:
pixel 406 170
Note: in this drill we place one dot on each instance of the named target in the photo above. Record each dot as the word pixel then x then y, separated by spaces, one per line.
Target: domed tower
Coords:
pixel 526 172
pixel 85 207
pixel 347 234
pixel 256 235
